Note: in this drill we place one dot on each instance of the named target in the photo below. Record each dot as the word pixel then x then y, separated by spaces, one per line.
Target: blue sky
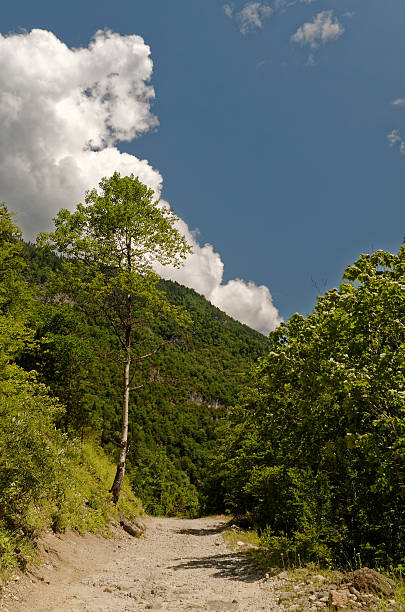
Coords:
pixel 273 144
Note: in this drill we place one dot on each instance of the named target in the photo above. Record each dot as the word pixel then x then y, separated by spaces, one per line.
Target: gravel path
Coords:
pixel 180 564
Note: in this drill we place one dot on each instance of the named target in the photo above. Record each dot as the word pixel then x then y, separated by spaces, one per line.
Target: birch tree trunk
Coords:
pixel 119 476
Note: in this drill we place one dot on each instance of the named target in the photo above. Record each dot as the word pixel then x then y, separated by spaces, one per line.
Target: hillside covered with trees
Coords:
pixel 187 389
pixel 61 397
pixel 301 436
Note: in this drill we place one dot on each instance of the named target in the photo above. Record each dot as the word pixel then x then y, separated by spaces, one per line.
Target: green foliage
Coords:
pixel 164 489
pixel 46 479
pixel 16 303
pixel 84 503
pixel 63 352
pixel 12 287
pixel 315 449
pixel 33 453
pixel 109 247
pixel 185 394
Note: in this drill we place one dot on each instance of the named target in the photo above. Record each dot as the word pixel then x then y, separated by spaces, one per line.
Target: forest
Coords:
pixel 300 436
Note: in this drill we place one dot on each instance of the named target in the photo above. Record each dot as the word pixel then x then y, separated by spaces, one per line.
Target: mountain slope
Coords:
pixel 185 388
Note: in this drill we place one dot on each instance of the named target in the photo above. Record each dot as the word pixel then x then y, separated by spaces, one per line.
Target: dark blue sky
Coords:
pixel 283 166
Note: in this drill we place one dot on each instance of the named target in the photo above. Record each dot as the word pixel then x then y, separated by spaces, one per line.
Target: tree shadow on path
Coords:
pixel 205 531
pixel 232 566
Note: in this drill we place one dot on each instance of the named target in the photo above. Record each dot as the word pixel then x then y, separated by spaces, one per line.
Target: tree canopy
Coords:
pixel 315 449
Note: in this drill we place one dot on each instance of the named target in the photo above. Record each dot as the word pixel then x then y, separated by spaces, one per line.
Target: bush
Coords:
pixel 164 489
pixel 46 480
pixel 315 450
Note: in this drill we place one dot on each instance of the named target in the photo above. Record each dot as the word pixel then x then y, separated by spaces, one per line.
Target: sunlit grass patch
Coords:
pixel 233 536
pixel 80 500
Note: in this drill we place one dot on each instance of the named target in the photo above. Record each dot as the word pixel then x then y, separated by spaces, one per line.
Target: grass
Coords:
pixel 88 505
pixel 399 589
pixel 232 537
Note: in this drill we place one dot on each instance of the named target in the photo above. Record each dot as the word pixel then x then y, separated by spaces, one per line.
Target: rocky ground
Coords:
pixel 179 564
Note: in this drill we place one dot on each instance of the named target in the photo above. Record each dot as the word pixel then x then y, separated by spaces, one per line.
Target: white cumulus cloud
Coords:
pixel 322 29
pixel 247 302
pixel 399 102
pixel 62 113
pixel 244 301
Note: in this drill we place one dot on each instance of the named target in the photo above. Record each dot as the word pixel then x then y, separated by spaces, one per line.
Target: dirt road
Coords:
pixel 179 565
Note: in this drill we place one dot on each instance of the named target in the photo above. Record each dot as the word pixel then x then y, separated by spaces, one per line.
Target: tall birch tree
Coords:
pixel 108 247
